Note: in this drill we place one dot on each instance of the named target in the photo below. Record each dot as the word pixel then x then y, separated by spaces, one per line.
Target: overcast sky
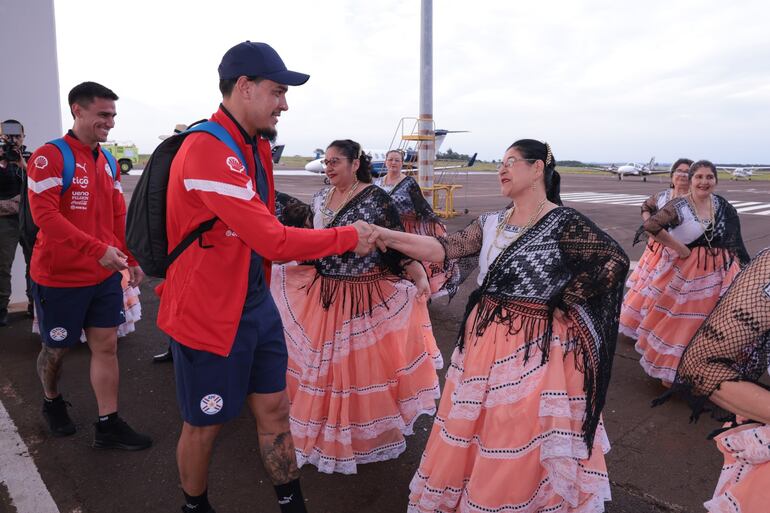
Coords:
pixel 601 80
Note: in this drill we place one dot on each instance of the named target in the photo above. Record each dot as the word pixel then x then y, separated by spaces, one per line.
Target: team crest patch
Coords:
pixel 212 404
pixel 234 164
pixel 107 169
pixel 58 334
pixel 41 162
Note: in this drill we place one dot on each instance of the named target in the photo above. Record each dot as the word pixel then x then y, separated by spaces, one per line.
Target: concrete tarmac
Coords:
pixel 659 462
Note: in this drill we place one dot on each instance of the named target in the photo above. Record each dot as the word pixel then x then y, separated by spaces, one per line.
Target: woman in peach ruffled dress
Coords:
pixel 362 357
pixel 519 424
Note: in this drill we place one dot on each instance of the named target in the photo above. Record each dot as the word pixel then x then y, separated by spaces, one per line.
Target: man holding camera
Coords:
pixel 13 165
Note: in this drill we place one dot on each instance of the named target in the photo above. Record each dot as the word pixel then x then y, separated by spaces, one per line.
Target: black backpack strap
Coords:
pixel 195 234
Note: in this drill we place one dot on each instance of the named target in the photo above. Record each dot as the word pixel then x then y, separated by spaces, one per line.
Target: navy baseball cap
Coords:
pixel 258 60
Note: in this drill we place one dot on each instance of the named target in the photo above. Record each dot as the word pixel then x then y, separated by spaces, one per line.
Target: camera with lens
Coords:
pixel 11 149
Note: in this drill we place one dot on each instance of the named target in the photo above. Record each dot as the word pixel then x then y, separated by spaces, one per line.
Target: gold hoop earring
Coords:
pixel 533 186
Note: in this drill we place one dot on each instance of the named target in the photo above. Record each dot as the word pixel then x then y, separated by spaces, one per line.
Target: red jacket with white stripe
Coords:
pixel 205 289
pixel 75 228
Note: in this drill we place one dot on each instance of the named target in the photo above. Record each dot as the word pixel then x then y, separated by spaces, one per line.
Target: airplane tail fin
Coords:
pixel 471 160
pixel 440 136
pixel 651 165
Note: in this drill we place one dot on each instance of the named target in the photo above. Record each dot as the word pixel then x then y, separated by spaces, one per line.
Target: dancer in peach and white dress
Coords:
pixel 362 357
pixel 723 363
pixel 417 216
pixel 632 311
pixel 703 253
pixel 519 423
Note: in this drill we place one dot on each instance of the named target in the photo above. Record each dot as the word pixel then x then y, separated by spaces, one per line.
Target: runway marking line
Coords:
pixel 610 198
pixel 18 472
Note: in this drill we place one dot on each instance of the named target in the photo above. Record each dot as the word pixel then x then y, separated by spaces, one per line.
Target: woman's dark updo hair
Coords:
pixel 352 150
pixel 536 150
pixel 675 165
pixel 703 163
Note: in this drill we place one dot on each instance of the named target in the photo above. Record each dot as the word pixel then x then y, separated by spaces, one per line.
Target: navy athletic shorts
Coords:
pixel 211 389
pixel 62 312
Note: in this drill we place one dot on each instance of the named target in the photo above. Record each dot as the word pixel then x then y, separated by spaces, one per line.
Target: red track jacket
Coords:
pixel 77 227
pixel 205 289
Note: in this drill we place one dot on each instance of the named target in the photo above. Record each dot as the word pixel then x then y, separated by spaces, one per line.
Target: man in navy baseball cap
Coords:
pixel 258 60
pixel 246 362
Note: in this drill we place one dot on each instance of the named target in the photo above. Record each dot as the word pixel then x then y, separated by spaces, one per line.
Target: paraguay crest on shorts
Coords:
pixel 212 404
pixel 58 334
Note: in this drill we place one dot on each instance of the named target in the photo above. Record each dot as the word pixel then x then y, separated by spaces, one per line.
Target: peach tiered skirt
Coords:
pixel 360 373
pixel 508 434
pixel 744 484
pixel 632 311
pixel 681 294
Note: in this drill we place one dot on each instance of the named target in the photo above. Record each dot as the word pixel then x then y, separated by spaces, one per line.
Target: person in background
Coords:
pixel 79 253
pixel 703 252
pixel 13 166
pixel 418 217
pixel 632 311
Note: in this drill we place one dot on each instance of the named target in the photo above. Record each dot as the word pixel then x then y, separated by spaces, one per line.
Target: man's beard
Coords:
pixel 268 133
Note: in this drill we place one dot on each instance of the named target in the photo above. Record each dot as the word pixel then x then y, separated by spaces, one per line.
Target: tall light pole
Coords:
pixel 427 152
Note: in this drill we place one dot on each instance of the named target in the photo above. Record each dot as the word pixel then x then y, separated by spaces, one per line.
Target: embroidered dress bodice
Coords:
pixel 493 243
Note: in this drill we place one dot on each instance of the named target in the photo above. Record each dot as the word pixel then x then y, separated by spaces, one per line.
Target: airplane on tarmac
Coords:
pixel 633 169
pixel 378 158
pixel 742 172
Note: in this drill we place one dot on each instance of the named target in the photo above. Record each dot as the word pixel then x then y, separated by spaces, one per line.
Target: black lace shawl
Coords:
pixel 563 261
pixel 290 211
pixel 412 205
pixel 361 273
pixel 732 344
pixel 726 231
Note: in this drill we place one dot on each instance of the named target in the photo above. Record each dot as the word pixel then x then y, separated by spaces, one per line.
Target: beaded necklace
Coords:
pixel 325 209
pixel 504 221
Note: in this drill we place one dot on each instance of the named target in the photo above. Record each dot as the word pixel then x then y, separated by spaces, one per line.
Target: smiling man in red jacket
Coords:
pixel 79 251
pixel 226 334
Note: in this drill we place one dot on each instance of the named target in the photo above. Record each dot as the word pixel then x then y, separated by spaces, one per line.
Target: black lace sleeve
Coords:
pixel 465 243
pixel 592 298
pixel 664 219
pixel 732 344
pixel 650 205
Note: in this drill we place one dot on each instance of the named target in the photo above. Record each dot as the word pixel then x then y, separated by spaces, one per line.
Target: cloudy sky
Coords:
pixel 601 80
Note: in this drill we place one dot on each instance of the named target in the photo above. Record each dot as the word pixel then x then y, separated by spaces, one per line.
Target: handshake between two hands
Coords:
pixel 369 238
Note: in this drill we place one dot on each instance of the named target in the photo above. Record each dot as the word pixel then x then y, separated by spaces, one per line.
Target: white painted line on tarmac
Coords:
pixel 18 471
pixel 756 207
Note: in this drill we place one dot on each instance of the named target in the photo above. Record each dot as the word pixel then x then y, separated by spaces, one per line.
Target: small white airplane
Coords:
pixel 378 158
pixel 633 169
pixel 742 172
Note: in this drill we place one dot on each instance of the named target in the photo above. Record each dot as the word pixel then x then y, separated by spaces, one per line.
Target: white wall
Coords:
pixel 28 47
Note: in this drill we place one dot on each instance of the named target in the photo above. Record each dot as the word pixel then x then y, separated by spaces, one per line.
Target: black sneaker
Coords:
pixel 55 413
pixel 163 357
pixel 119 435
pixel 187 509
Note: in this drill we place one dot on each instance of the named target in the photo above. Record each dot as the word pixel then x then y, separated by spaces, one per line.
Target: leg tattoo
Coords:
pixel 278 457
pixel 49 368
